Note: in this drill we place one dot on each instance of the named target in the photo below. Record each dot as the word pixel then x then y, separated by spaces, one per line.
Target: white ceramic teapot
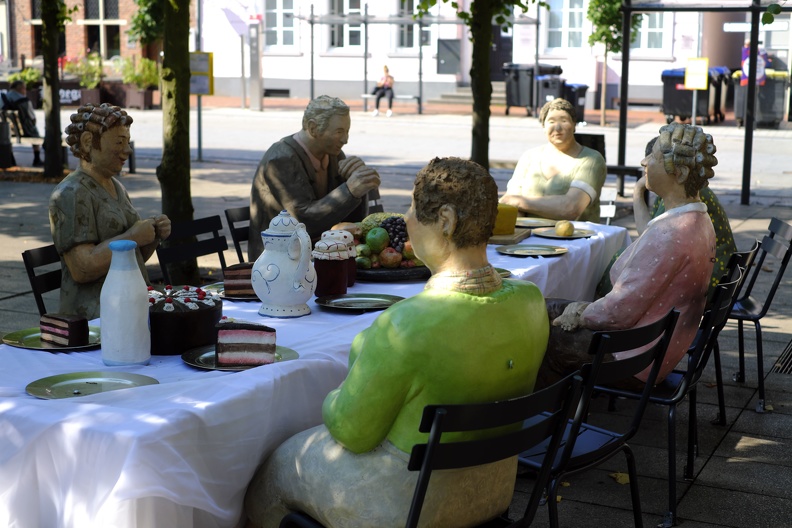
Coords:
pixel 283 276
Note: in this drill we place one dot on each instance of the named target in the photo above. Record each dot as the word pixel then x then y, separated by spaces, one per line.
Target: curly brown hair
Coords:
pixel 97 120
pixel 686 148
pixel 468 188
pixel 557 104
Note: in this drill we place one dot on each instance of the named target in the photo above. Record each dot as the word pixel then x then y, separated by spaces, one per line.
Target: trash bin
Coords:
pixel 576 94
pixel 721 77
pixel 677 101
pixel 550 87
pixel 770 99
pixel 519 80
pixel 519 86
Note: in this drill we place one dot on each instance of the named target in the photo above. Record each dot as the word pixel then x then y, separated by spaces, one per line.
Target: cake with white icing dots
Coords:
pixel 241 343
pixel 182 318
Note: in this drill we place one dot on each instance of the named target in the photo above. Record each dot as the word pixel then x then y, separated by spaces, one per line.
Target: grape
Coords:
pixel 397 230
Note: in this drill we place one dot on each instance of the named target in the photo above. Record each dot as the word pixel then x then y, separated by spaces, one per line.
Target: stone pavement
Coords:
pixel 743 474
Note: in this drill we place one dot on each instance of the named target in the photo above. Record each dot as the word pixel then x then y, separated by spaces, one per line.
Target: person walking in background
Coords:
pixel 384 87
pixel 16 99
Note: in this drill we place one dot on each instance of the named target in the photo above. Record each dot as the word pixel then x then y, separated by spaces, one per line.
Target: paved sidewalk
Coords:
pixel 743 472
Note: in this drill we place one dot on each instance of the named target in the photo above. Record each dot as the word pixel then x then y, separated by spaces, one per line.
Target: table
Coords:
pixel 180 453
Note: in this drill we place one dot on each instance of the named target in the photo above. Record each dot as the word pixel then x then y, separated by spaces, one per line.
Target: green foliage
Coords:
pixel 88 70
pixel 772 10
pixel 148 22
pixel 30 76
pixel 501 9
pixel 606 17
pixel 144 73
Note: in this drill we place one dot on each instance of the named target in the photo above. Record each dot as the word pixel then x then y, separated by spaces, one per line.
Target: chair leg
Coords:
pixel 739 376
pixel 552 501
pixel 634 493
pixel 721 418
pixel 671 514
pixel 693 447
pixel 761 405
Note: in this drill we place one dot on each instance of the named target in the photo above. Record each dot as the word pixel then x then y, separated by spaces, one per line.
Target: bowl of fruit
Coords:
pixel 384 251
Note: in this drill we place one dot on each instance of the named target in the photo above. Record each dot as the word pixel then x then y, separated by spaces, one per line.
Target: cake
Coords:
pixel 506 220
pixel 182 318
pixel 240 343
pixel 64 329
pixel 237 282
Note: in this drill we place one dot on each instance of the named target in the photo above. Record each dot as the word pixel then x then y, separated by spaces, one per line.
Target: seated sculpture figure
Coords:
pixel 667 267
pixel 477 329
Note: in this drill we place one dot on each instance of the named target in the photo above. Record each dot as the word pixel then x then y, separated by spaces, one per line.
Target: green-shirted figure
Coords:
pixel 470 336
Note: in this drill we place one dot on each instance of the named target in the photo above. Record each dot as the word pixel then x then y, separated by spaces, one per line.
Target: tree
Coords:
pixel 54 16
pixel 479 19
pixel 173 172
pixel 772 10
pixel 606 16
pixel 148 23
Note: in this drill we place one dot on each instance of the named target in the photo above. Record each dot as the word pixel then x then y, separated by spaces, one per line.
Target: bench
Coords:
pixel 620 171
pixel 637 101
pixel 415 98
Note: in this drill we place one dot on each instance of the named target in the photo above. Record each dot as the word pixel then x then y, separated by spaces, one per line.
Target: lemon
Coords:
pixel 564 228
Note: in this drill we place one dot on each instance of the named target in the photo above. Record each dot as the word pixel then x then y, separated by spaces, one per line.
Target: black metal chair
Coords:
pixel 42 282
pixel 543 416
pixel 748 307
pixel 681 383
pixel 184 244
pixel 587 445
pixel 239 233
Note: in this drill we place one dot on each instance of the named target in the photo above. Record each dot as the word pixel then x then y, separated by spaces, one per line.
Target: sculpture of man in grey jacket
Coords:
pixel 308 175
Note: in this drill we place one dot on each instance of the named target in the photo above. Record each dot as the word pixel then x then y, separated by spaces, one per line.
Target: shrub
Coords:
pixel 30 76
pixel 88 70
pixel 143 74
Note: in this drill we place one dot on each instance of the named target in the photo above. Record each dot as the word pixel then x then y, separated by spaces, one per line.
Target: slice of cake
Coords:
pixel 240 343
pixel 237 281
pixel 64 329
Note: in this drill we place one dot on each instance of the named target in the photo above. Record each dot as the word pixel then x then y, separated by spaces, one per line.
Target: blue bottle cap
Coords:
pixel 123 245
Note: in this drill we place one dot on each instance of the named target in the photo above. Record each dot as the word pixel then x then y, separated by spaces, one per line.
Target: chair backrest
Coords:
pixel 184 244
pixel 608 204
pixel 654 339
pixel 44 282
pixel 374 205
pixel 778 243
pixel 592 141
pixel 742 260
pixel 239 233
pixel 548 411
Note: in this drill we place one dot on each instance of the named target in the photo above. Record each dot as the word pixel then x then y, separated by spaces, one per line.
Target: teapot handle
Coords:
pixel 305 256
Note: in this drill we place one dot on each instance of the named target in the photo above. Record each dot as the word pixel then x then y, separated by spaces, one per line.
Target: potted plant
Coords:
pixel 89 73
pixel 32 79
pixel 140 78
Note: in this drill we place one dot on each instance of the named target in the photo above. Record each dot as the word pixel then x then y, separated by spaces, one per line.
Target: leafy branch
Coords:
pixel 772 10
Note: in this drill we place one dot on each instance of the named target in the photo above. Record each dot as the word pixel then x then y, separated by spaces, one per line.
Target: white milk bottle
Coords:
pixel 124 309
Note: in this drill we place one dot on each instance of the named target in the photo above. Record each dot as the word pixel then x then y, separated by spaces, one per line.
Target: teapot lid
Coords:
pixel 283 224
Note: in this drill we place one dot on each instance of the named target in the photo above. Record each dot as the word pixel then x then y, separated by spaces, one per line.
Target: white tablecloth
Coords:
pixel 180 453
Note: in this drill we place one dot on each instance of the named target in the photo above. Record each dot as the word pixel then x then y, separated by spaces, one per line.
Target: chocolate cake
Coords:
pixel 64 329
pixel 237 281
pixel 182 318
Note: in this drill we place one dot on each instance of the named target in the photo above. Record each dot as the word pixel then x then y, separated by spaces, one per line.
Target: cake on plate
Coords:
pixel 240 343
pixel 182 318
pixel 237 280
pixel 64 329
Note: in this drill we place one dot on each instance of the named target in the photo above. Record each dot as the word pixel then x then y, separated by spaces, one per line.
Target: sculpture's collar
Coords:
pixel 479 281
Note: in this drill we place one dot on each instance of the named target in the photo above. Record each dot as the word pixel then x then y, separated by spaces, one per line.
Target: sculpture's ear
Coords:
pixel 682 173
pixel 311 128
pixel 86 142
pixel 448 219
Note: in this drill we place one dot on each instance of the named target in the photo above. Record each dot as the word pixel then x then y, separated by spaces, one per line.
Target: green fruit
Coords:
pixel 363 250
pixel 377 239
pixel 363 262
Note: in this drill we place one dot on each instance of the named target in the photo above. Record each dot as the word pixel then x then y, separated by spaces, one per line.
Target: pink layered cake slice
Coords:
pixel 64 329
pixel 240 343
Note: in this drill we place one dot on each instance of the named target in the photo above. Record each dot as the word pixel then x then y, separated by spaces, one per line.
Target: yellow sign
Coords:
pixel 697 74
pixel 201 76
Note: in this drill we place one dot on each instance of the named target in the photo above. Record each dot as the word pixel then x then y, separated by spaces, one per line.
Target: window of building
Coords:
pixel 346 35
pixel 102 27
pixel 565 24
pixel 650 34
pixel 408 33
pixel 278 23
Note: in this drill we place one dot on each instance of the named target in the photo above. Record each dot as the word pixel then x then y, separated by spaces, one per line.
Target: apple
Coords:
pixel 390 258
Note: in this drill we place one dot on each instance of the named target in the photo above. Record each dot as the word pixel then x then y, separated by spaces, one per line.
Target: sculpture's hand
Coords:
pixel 349 165
pixel 362 180
pixel 162 225
pixel 570 319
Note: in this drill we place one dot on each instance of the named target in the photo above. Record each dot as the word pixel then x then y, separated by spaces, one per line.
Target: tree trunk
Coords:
pixel 53 159
pixel 603 87
pixel 481 35
pixel 173 172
